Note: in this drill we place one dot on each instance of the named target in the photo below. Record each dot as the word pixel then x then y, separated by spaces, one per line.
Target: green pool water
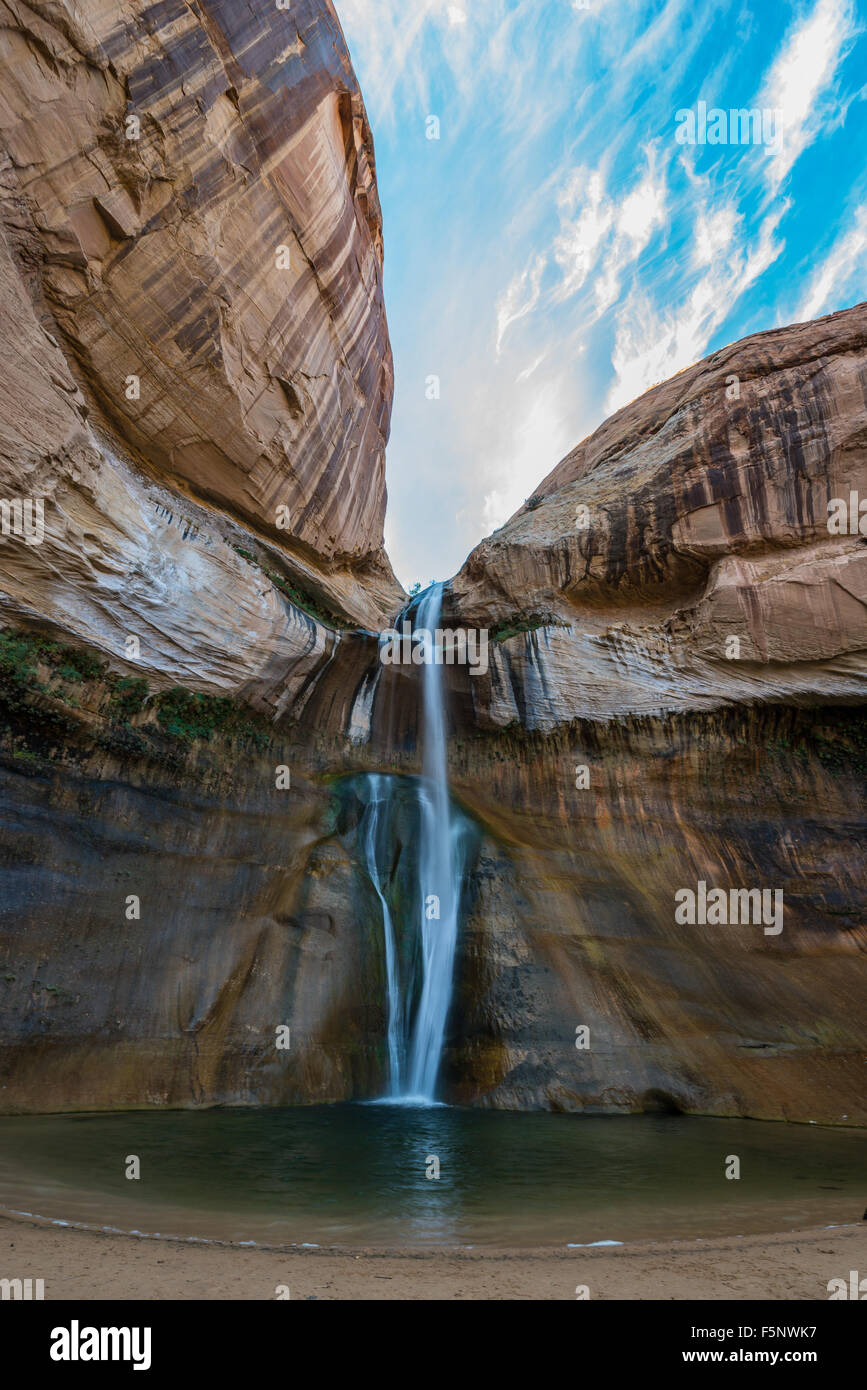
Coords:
pixel 357 1175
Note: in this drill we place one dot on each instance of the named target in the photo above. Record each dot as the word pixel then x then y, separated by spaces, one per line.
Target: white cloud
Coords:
pixel 651 346
pixel 715 230
pixel 559 214
pixel 641 211
pixel 577 245
pixel 654 343
pixel 803 70
pixel 605 234
pixel 528 371
pixel 845 269
pixel 597 234
pixel 640 214
pixel 520 297
pixel 388 44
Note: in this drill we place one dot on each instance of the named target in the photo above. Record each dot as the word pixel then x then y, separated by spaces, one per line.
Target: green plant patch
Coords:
pixel 521 622
pixel 188 715
pixel 128 697
pixel 185 715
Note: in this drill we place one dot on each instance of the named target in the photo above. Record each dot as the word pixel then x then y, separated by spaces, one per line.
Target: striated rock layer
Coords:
pixel 575 920
pixel 195 342
pixel 248 919
pixel 705 518
pixel 595 802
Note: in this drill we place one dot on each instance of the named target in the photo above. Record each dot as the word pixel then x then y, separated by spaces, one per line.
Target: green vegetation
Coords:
pixel 188 716
pixel 79 665
pixel 18 658
pixel 835 735
pixel 521 622
pixel 842 746
pixel 35 673
pixel 299 597
pixel 25 756
pixel 128 697
pixel 20 652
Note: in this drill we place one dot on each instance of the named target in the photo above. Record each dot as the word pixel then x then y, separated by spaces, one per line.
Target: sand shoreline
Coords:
pixel 88 1264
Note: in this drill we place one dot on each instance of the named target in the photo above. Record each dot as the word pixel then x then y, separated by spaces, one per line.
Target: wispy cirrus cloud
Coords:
pixel 520 298
pixel 391 42
pixel 599 237
pixel 801 82
pixel 652 344
pixel 731 249
pixel 842 276
pixel 641 213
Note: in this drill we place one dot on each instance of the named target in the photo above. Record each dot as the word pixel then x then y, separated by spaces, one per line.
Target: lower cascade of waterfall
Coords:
pixel 420 924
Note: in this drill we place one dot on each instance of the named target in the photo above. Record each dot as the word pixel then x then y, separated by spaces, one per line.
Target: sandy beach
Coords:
pixel 83 1264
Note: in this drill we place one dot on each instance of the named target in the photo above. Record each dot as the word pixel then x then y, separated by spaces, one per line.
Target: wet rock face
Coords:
pixel 592 831
pixel 194 350
pixel 165 913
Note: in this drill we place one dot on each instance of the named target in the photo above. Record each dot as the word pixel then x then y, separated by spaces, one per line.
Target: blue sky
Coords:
pixel 558 249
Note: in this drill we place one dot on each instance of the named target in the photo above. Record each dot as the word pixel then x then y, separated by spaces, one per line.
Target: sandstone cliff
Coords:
pixel 695 515
pixel 594 803
pixel 677 696
pixel 194 351
pixel 195 346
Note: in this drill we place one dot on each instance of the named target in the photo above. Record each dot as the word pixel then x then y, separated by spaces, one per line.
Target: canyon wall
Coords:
pixel 678 698
pixel 198 392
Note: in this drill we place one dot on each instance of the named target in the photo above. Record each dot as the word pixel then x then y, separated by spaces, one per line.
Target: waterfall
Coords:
pixel 439 884
pixel 421 940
